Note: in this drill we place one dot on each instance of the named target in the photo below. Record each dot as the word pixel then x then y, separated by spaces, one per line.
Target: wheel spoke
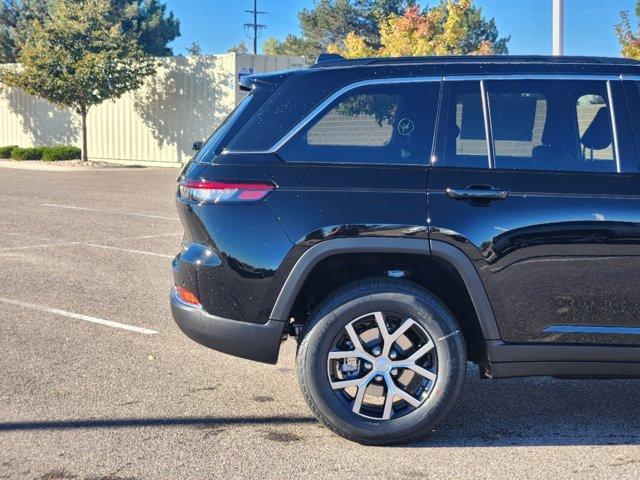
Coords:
pixel 422 351
pixel 340 384
pixel 341 355
pixel 353 336
pixel 423 372
pixel 408 398
pixel 402 329
pixel 384 332
pixel 388 404
pixel 362 389
pixel 354 382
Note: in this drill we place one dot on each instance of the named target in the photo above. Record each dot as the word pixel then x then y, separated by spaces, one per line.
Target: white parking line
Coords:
pixel 42 245
pixel 85 244
pixel 113 212
pixel 150 236
pixel 129 250
pixel 86 318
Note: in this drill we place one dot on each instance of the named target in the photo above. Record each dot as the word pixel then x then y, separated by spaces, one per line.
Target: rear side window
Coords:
pixel 465 139
pixel 214 143
pixel 360 120
pixel 378 124
pixel 551 125
pixel 588 107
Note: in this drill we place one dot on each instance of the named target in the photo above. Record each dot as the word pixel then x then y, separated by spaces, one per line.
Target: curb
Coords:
pixel 37 166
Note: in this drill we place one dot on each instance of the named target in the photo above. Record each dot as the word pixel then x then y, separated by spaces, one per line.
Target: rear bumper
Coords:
pixel 254 341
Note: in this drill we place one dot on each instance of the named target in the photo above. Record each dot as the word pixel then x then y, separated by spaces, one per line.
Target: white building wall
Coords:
pixel 155 125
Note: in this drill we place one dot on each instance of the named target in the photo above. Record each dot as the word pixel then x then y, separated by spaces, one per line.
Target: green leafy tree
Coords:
pixel 194 50
pixel 15 24
pixel 80 57
pixel 291 45
pixel 329 22
pixel 239 48
pixel 147 19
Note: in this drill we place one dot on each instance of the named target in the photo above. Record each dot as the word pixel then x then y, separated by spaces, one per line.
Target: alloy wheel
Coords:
pixel 382 365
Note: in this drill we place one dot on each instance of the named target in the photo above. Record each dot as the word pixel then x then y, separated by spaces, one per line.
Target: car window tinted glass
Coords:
pixel 365 120
pixel 465 139
pixel 588 107
pixel 551 125
pixel 213 143
pixel 383 124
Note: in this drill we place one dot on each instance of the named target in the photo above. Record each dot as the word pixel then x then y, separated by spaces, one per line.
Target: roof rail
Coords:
pixel 327 57
pixel 338 61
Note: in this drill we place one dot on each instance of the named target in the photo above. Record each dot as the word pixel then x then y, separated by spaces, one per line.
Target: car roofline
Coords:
pixel 333 61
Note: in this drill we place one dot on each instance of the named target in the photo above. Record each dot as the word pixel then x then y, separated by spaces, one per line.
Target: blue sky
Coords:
pixel 218 24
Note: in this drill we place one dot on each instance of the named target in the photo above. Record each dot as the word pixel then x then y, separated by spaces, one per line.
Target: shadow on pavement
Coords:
pixel 150 422
pixel 540 412
pixel 500 413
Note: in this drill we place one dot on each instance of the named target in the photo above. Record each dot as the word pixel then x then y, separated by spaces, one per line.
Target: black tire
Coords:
pixel 360 298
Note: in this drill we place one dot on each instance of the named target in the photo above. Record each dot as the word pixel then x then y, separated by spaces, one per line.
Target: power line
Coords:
pixel 255 26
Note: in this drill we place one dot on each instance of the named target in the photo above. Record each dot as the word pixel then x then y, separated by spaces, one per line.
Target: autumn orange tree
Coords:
pixel 451 28
pixel 628 38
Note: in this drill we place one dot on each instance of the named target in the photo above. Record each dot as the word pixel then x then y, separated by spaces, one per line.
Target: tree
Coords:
pixel 451 28
pixel 240 48
pixel 330 21
pixel 80 57
pixel 628 38
pixel 147 19
pixel 291 45
pixel 194 50
pixel 15 23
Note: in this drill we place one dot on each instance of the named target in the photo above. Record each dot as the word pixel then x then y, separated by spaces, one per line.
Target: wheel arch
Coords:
pixel 436 249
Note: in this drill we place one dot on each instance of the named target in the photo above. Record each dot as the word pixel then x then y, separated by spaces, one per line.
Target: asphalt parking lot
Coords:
pixel 97 382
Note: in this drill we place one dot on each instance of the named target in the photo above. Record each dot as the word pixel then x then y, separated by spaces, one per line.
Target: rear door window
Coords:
pixel 551 125
pixel 465 141
pixel 377 123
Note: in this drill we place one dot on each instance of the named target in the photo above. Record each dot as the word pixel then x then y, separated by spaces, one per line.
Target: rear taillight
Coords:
pixel 210 191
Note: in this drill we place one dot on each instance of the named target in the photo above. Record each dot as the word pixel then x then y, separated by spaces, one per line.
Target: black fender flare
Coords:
pixel 315 254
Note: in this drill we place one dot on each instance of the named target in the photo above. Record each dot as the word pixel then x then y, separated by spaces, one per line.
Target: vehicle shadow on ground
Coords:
pixel 151 422
pixel 515 412
pixel 540 412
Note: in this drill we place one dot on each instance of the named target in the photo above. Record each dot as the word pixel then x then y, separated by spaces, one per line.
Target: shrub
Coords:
pixel 34 153
pixel 61 152
pixel 5 152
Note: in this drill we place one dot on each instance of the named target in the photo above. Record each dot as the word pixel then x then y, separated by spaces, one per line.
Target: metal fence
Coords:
pixel 155 125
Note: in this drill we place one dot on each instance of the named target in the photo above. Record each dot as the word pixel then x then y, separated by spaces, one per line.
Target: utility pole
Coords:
pixel 558 27
pixel 255 26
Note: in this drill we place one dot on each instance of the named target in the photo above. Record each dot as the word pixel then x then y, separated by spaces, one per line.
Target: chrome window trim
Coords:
pixel 532 76
pixel 433 78
pixel 593 329
pixel 488 128
pixel 614 127
pixel 330 99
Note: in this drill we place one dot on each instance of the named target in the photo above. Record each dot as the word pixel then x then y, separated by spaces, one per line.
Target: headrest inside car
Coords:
pixel 597 136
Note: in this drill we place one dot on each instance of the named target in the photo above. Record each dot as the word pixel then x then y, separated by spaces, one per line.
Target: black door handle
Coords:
pixel 486 194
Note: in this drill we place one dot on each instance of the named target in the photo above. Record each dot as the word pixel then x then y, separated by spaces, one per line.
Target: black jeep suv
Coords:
pixel 402 216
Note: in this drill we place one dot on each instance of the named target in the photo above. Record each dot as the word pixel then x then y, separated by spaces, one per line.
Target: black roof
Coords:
pixel 349 70
pixel 333 61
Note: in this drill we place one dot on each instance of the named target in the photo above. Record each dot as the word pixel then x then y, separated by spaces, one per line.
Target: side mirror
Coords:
pixel 196 146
